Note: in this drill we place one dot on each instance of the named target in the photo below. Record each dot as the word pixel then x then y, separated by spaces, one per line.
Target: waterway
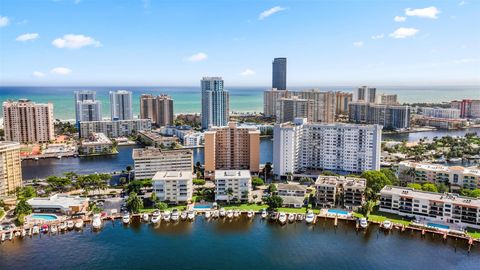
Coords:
pixel 415 136
pixel 238 244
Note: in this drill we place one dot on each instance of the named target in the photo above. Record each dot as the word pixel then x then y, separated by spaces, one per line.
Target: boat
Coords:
pixel 70 224
pixel 79 224
pixel 264 213
pixel 10 237
pixel 3 237
pixel 183 215
pixel 310 217
pixel 273 216
pixel 222 212
pixel 363 223
pixel 145 217
pixel 299 217
pixel 291 217
pixel 250 214
pixel 97 222
pixel 126 218
pixel 229 214
pixel 191 215
pixel 35 230
pixel 62 226
pixel 387 224
pixel 166 215
pixel 282 218
pixel 175 215
pixel 455 160
pixel 236 213
pixel 208 214
pixel 156 216
pixel 44 228
pixel 215 214
pixel 23 233
pixel 53 229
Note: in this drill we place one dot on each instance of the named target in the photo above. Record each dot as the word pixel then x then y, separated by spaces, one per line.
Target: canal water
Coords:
pixel 239 245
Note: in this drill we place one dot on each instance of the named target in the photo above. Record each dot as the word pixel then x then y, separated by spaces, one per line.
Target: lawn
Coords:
pixel 473 233
pixel 378 216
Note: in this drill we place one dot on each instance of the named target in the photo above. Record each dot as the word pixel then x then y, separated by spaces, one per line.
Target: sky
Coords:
pixel 175 43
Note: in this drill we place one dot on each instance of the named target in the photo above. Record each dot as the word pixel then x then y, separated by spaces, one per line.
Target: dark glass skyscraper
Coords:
pixel 279 73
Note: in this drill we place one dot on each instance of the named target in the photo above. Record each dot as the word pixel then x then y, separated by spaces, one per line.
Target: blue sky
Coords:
pixel 175 43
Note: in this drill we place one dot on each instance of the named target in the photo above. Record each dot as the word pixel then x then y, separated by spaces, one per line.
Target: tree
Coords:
pixel 134 186
pixel 272 188
pixel 367 208
pixel 475 193
pixel 161 205
pixel 129 169
pixel 442 188
pixel 26 192
pixel 306 181
pixel 199 182
pixel 59 183
pixel 390 175
pixel 429 187
pixel 229 194
pixel 274 202
pixel 267 170
pixel 257 181
pixel 376 180
pixel 415 186
pixel 134 203
pixel 21 210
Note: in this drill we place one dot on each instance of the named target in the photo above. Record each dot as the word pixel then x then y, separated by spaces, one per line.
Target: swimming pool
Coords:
pixel 202 207
pixel 440 226
pixel 44 217
pixel 337 212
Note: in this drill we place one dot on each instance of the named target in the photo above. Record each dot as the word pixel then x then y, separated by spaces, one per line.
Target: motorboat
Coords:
pixel 79 224
pixel 310 217
pixel 97 222
pixel 273 216
pixel 215 214
pixel 264 213
pixel 126 218
pixel 250 214
pixel 3 237
pixel 222 212
pixel 191 215
pixel 145 217
pixel 10 237
pixel 62 226
pixel 236 213
pixel 175 215
pixel 53 229
pixel 291 217
pixel 23 233
pixel 230 214
pixel 282 218
pixel 208 214
pixel 455 160
pixel 17 234
pixel 363 223
pixel 35 230
pixel 183 215
pixel 387 224
pixel 44 228
pixel 70 224
pixel 156 216
pixel 166 215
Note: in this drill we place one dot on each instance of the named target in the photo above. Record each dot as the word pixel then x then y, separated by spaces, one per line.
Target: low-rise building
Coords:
pixel 96 144
pixel 441 207
pixel 441 123
pixel 185 133
pixel 152 138
pixel 59 203
pixel 173 186
pixel 115 129
pixel 450 113
pixel 233 185
pixel 148 161
pixel 341 191
pixel 293 195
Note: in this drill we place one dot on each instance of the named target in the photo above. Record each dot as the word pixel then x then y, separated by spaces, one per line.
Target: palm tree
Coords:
pixel 229 194
pixel 128 168
pixel 134 203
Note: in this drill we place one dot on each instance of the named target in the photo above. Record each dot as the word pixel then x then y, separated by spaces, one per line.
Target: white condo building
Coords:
pixel 89 110
pixel 173 186
pixel 121 105
pixel 239 181
pixel 148 161
pixel 311 147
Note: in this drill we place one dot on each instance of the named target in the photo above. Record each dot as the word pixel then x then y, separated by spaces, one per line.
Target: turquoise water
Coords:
pixel 336 211
pixel 44 217
pixel 202 207
pixel 440 226
pixel 242 99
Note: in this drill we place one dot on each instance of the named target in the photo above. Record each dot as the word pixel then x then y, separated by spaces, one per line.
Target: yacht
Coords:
pixel 156 216
pixel 53 229
pixel 183 215
pixel 145 217
pixel 310 217
pixel 35 230
pixel 166 215
pixel 208 214
pixel 230 214
pixel 126 218
pixel 455 160
pixel 363 223
pixel 79 224
pixel 191 215
pixel 291 217
pixel 62 226
pixel 44 228
pixel 236 213
pixel 70 224
pixel 222 212
pixel 215 214
pixel 387 224
pixel 3 237
pixel 23 233
pixel 264 213
pixel 175 215
pixel 96 222
pixel 250 214
pixel 282 218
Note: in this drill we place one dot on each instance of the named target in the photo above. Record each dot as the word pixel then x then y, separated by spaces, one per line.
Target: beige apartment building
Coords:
pixel 28 122
pixel 342 99
pixel 173 186
pixel 159 109
pixel 232 148
pixel 148 161
pixel 332 191
pixel 10 168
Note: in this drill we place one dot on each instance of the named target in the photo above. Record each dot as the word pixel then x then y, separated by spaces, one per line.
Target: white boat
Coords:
pixel 229 214
pixel 387 224
pixel 291 217
pixel 455 160
pixel 310 217
pixel 363 223
pixel 236 213
pixel 250 214
pixel 175 215
pixel 30 232
pixel 222 212
pixel 10 237
pixel 156 216
pixel 145 217
pixel 23 233
pixel 97 222
pixel 70 224
pixel 215 214
pixel 126 218
pixel 208 214
pixel 191 215
pixel 166 215
pixel 264 213
pixel 183 215
pixel 53 229
pixel 62 226
pixel 45 228
pixel 282 218
pixel 35 230
pixel 3 237
pixel 79 224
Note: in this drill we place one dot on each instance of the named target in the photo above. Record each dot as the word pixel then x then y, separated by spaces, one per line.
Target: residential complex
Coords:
pixel 233 185
pixel 121 105
pixel 293 195
pixel 290 108
pixel 10 168
pixel 270 100
pixel 215 102
pixel 457 176
pixel 388 99
pixel 365 94
pixel 441 207
pixel 468 108
pixel 27 122
pixel 95 144
pixel 114 129
pixel 440 112
pixel 342 99
pixel 279 73
pixel 89 110
pixel 173 186
pixel 186 134
pixel 149 161
pixel 81 96
pixel 389 116
pixel 440 123
pixel 232 148
pixel 159 109
pixel 154 138
pixel 340 191
pixel 59 203
pixel 323 104
pixel 310 147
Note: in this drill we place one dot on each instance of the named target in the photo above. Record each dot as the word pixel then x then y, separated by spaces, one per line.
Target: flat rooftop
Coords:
pixel 172 175
pixel 157 152
pixel 232 174
pixel 294 187
pixel 57 201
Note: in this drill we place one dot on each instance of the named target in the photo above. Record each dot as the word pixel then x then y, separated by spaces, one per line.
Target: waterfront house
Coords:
pixel 293 195
pixel 59 203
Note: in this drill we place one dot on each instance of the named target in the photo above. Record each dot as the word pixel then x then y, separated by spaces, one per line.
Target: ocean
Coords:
pixel 242 99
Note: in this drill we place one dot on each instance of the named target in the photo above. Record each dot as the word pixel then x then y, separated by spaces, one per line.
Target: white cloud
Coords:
pixel 61 71
pixel 358 44
pixel 4 21
pixel 270 12
pixel 27 37
pixel 400 18
pixel 38 74
pixel 197 57
pixel 379 36
pixel 429 12
pixel 72 41
pixel 403 32
pixel 247 72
